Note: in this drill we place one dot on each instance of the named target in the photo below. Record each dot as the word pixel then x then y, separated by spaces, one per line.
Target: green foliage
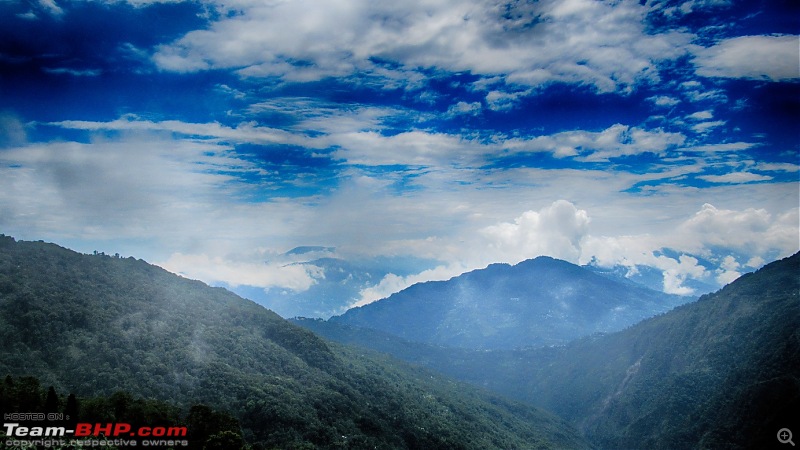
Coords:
pixel 207 428
pixel 96 325
pixel 722 372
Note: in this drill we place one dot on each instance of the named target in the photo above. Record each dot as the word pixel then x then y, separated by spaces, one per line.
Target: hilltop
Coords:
pixel 96 324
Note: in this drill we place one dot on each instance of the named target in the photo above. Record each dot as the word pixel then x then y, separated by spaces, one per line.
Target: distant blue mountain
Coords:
pixel 310 249
pixel 538 302
pixel 338 288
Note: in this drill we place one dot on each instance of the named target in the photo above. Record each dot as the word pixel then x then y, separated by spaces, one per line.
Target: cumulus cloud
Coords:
pixel 504 101
pixel 182 184
pixel 772 58
pixel 468 108
pixel 664 100
pixel 556 230
pixel 711 233
pixel 751 231
pixel 677 272
pixel 614 142
pixel 728 270
pixel 51 7
pixel 357 136
pixel 722 238
pixel 604 45
pixel 407 148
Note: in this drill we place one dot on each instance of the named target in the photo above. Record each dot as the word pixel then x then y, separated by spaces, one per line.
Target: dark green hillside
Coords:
pixel 722 372
pixel 94 325
pixel 202 424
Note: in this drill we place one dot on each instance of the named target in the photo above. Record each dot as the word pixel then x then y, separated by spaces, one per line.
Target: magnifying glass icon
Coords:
pixel 785 436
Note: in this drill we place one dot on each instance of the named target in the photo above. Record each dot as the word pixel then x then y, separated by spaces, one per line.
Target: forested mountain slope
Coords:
pixel 722 372
pixel 94 325
pixel 543 301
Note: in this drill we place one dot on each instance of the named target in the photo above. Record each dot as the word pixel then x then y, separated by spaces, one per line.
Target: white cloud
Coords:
pixel 555 231
pixel 701 115
pixel 469 108
pixel 51 7
pixel 708 233
pixel 604 45
pixel 561 230
pixel 676 273
pixel 415 148
pixel 616 141
pixel 170 187
pixel 147 196
pixel 752 231
pixel 778 167
pixel 392 283
pixel 248 132
pixel 504 101
pixel 664 100
pixel 216 269
pixel 721 147
pixel 704 127
pixel 735 177
pixel 728 270
pixel 773 58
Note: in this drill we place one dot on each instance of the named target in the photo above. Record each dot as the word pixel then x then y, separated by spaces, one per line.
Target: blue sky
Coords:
pixel 416 140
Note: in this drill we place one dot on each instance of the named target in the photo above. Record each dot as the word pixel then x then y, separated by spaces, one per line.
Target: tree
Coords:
pixel 227 440
pixel 51 403
pixel 71 409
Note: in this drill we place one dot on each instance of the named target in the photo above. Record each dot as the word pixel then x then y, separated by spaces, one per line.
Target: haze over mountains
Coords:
pixel 719 372
pixel 340 281
pixel 93 325
pixel 537 302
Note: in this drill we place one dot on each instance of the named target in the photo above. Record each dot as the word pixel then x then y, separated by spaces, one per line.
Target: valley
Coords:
pixel 721 371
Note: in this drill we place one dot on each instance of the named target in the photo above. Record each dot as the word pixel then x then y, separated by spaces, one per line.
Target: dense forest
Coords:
pixel 93 325
pixel 722 372
pixel 119 339
pixel 205 428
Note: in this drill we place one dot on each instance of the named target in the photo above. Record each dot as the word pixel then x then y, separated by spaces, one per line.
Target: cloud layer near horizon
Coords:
pixel 457 134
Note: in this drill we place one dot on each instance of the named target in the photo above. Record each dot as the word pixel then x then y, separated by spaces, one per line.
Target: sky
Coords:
pixel 249 143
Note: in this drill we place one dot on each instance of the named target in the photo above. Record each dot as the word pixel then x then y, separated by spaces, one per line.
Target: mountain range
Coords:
pixel 538 302
pixel 340 280
pixel 721 372
pixel 95 324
